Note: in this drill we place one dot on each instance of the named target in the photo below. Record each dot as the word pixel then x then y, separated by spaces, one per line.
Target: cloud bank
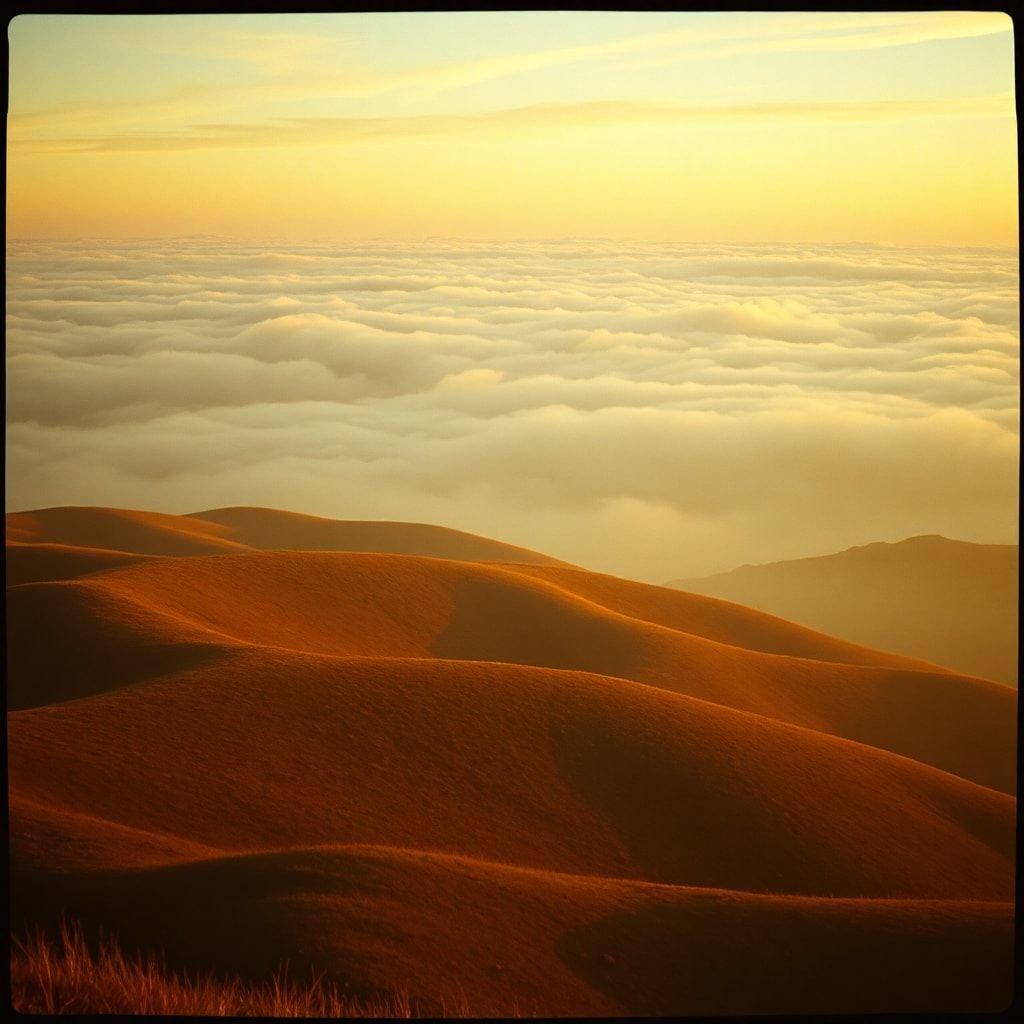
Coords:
pixel 654 412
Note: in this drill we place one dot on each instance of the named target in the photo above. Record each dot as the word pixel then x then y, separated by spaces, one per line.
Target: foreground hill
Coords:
pixel 540 790
pixel 161 615
pixel 263 742
pixel 238 529
pixel 546 830
pixel 946 601
pixel 509 941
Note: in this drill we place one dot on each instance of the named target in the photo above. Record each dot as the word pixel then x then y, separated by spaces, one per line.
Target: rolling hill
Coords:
pixel 545 790
pixel 239 529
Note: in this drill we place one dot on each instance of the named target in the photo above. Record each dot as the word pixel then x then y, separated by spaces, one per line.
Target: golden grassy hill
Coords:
pixel 236 529
pixel 519 784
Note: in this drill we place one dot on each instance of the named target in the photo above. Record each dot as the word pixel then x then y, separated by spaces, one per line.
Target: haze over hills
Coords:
pixel 554 791
pixel 949 602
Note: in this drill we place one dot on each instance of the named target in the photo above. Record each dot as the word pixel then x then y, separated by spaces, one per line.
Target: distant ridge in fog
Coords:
pixel 950 602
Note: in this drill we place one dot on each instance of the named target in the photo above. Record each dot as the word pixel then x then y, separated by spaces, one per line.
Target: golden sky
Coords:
pixel 896 128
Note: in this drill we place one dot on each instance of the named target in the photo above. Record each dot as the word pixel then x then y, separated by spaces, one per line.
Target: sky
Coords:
pixel 736 127
pixel 656 294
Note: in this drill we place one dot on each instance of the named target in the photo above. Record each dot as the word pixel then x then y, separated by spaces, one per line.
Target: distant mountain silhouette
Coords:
pixel 949 602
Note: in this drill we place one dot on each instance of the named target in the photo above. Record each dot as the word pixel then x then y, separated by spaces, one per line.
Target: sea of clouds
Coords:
pixel 652 411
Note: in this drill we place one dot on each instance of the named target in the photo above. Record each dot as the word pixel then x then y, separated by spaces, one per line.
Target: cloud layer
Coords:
pixel 650 411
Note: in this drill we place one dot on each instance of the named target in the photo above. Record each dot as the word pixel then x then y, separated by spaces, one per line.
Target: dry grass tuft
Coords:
pixel 64 975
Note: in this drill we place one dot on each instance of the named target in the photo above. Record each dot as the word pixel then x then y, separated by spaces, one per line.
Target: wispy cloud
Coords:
pixel 537 118
pixel 836 33
pixel 303 65
pixel 273 52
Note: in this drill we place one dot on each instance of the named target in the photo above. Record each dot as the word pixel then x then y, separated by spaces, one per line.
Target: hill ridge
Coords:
pixel 949 602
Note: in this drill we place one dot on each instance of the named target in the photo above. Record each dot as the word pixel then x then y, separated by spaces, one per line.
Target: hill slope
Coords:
pixel 235 529
pixel 554 760
pixel 946 601
pixel 541 790
pixel 547 831
pixel 513 941
pixel 164 614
